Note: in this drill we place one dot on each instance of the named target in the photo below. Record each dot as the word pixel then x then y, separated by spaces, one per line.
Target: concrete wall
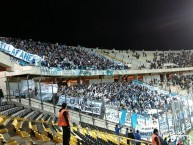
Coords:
pixel 3 82
pixel 148 78
pixel 96 81
pixel 5 60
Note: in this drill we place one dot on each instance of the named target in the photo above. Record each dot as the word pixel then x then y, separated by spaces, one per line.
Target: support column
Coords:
pixel 165 77
pixel 119 78
pixel 79 80
pixel 135 77
pixel 55 81
pixel 101 78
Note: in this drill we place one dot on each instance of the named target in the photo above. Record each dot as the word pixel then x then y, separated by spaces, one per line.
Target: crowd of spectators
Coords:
pixel 71 57
pixel 184 81
pixel 181 59
pixel 135 97
pixel 65 57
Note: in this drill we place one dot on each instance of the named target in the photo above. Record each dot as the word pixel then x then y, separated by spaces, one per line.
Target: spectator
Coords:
pixel 130 136
pixel 137 137
pixel 126 132
pixel 117 129
pixel 180 142
pixel 1 96
pixel 170 142
pixel 64 121
pixel 155 138
pixel 165 141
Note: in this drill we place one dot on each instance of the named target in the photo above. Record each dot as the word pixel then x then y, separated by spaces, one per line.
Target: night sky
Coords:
pixel 120 24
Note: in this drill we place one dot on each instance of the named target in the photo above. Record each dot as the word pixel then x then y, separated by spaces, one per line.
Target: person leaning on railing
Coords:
pixel 117 129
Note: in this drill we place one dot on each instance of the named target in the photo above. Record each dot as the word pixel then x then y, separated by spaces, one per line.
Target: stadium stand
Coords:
pixel 99 85
pixel 139 97
pixel 72 58
pixel 152 59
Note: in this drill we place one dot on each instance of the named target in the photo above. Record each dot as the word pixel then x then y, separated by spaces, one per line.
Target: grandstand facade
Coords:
pixel 141 90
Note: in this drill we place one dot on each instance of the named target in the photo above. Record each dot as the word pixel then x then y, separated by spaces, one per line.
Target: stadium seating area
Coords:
pixel 65 57
pixel 152 59
pixel 25 125
pixel 22 126
pixel 137 96
pixel 70 57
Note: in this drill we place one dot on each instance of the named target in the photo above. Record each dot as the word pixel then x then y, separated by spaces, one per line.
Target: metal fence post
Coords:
pixel 158 121
pixel 64 93
pixel 106 123
pixel 7 90
pixel 19 95
pixel 92 111
pixel 54 102
pixel 79 110
pixel 174 118
pixel 28 93
pixel 166 110
pixel 9 93
pixel 42 107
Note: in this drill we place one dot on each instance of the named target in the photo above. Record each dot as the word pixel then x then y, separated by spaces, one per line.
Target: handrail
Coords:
pixel 73 112
pixel 148 142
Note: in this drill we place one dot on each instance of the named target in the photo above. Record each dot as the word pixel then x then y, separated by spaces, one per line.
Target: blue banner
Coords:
pixel 134 120
pixel 123 117
pixel 25 56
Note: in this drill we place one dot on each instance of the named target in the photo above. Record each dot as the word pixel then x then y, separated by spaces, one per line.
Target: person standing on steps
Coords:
pixel 64 121
pixel 1 96
pixel 155 138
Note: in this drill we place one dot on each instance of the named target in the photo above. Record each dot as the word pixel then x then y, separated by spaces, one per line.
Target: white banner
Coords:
pixel 24 86
pixel 46 91
pixel 47 88
pixel 18 53
pixel 82 104
pixel 54 71
pixel 44 97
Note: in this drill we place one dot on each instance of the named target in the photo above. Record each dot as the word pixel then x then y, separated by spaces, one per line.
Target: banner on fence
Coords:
pixel 85 105
pixel 46 91
pixel 24 85
pixel 47 88
pixel 44 97
pixel 77 72
pixel 134 120
pixel 123 116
